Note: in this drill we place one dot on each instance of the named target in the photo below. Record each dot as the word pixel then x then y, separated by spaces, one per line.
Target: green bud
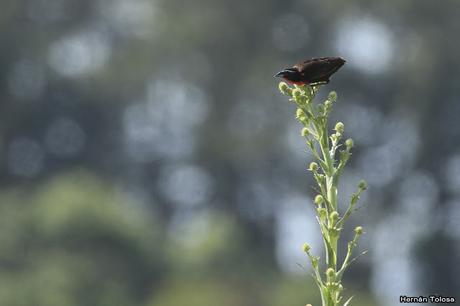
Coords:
pixel 362 185
pixel 334 216
pixel 296 93
pixel 339 127
pixel 330 273
pixel 299 113
pixel 359 230
pixel 283 87
pixel 349 143
pixel 305 132
pixel 332 96
pixel 306 247
pixel 322 213
pixel 327 104
pixel 319 199
pixel 313 166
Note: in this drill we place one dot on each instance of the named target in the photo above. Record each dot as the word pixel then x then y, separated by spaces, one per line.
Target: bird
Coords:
pixel 315 71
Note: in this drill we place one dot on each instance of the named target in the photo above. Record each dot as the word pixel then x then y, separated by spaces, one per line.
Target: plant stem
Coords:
pixel 315 122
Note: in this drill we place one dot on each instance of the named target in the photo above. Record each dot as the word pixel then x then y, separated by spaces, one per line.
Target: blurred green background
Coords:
pixel 147 157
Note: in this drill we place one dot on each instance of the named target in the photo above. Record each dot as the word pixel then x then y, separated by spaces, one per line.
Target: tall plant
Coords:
pixel 331 153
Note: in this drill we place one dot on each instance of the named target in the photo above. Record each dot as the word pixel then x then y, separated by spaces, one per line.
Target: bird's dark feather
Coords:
pixel 319 69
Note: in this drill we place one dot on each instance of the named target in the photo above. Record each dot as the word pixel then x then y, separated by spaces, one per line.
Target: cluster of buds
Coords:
pixel 331 154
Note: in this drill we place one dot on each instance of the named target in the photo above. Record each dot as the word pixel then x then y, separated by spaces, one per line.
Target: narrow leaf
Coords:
pixel 348 301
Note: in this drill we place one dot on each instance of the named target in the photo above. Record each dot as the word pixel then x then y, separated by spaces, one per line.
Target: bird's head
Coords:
pixel 290 74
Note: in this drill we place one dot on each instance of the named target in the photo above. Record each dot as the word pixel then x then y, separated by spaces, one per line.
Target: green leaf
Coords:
pixel 348 301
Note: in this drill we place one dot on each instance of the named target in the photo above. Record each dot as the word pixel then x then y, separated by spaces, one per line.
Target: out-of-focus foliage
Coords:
pixel 73 240
pixel 146 157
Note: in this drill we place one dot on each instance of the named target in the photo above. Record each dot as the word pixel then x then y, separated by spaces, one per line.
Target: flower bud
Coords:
pixel 296 93
pixel 349 143
pixel 313 166
pixel 306 247
pixel 330 273
pixel 305 132
pixel 327 104
pixel 322 213
pixel 319 199
pixel 332 96
pixel 299 113
pixel 362 185
pixel 339 127
pixel 283 87
pixel 359 230
pixel 334 216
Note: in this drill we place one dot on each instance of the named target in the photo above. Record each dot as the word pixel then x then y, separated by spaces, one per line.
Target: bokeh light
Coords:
pixel 131 18
pixel 164 124
pixel 293 229
pixel 186 185
pixel 81 53
pixel 65 137
pixel 366 43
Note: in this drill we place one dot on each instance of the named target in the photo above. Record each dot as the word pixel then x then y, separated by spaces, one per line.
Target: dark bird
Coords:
pixel 313 71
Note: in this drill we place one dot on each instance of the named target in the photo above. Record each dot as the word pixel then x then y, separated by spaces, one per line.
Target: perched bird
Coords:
pixel 313 71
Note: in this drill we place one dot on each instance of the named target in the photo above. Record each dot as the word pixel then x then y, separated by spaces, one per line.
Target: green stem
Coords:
pixel 315 122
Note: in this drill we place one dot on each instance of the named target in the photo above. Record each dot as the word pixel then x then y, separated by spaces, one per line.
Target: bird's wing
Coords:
pixel 319 68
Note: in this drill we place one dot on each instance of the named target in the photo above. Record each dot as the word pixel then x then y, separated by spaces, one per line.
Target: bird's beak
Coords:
pixel 279 74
